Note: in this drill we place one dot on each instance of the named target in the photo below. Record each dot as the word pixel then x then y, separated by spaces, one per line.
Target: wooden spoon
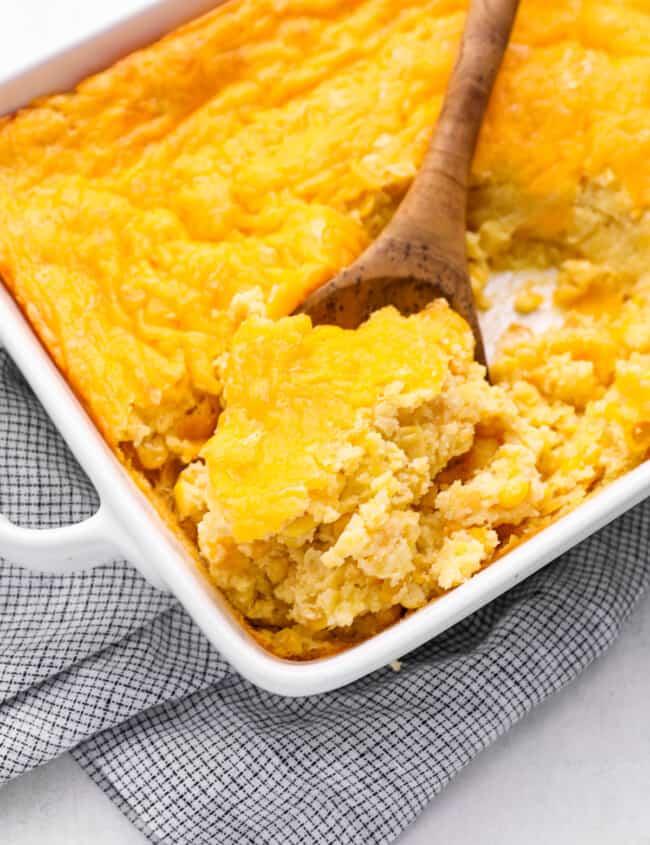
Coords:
pixel 420 255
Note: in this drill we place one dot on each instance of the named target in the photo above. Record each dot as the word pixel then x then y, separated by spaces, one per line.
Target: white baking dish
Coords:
pixel 126 523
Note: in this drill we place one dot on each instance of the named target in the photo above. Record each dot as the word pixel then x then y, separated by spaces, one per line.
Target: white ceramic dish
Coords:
pixel 126 524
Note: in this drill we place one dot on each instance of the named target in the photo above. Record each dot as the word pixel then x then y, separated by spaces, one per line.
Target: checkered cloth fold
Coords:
pixel 101 663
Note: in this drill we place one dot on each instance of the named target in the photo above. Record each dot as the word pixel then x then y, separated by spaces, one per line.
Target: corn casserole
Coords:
pixel 159 224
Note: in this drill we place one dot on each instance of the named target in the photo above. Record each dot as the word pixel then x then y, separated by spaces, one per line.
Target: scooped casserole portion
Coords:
pixel 159 224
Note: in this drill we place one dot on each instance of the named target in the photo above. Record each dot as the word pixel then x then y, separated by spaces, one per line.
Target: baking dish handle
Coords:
pixel 72 548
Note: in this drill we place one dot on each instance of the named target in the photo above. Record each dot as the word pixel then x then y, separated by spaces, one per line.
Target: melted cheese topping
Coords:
pixel 287 419
pixel 261 147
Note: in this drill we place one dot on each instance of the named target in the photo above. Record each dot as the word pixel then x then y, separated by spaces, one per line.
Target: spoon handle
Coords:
pixel 433 210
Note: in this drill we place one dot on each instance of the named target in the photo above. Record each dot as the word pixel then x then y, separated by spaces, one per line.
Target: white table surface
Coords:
pixel 575 772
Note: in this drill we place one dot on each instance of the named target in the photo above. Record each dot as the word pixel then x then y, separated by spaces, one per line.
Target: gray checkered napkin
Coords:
pixel 102 664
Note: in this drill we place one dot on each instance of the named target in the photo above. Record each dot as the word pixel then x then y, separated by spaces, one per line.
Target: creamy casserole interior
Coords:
pixel 159 223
